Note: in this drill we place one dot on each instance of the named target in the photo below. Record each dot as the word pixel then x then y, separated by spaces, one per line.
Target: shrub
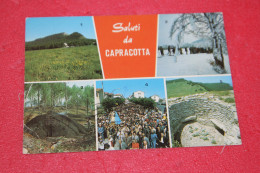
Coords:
pixel 205 134
pixel 204 138
pixel 230 100
pixel 147 103
pixel 196 134
pixel 109 103
pixel 119 101
pixel 176 143
pixel 213 141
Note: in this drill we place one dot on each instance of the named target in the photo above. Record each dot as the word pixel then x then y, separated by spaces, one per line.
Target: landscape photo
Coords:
pixel 131 114
pixel 61 48
pixel 192 44
pixel 59 117
pixel 202 111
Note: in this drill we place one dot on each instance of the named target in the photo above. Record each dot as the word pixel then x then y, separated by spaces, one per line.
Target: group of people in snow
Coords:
pixel 185 50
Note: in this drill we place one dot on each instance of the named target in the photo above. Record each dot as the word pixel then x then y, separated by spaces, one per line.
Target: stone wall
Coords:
pixel 206 112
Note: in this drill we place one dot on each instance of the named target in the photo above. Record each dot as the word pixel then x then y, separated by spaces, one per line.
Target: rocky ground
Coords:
pixel 205 119
pixel 33 145
pixel 196 134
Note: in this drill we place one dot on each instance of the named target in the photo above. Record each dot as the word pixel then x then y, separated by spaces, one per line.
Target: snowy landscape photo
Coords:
pixel 192 44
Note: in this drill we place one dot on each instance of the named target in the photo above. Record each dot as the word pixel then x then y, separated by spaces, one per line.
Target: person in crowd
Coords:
pixel 100 144
pixel 122 145
pixel 173 50
pixel 145 145
pixel 162 141
pixel 146 139
pixel 111 141
pixel 140 137
pixel 101 131
pixel 169 50
pixel 161 50
pixel 153 139
pixel 135 137
pixel 139 128
pixel 135 144
pixel 127 140
pixel 107 147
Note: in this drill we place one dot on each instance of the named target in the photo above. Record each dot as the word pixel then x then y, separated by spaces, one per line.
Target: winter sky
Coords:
pixel 165 23
pixel 38 27
pixel 150 87
pixel 208 79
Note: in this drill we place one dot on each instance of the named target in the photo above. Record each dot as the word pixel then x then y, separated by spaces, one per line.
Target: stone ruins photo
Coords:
pixel 202 113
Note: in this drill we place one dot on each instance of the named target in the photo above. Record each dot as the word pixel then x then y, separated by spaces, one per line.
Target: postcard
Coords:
pixel 99 83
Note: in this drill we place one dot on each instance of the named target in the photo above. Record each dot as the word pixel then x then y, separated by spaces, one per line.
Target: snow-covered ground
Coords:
pixel 193 64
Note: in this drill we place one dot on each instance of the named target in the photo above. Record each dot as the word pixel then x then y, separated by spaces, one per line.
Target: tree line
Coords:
pixel 58 40
pixel 108 103
pixel 46 96
pixel 58 44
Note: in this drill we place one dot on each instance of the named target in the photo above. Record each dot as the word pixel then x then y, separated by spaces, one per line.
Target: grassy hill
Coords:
pixel 216 86
pixel 182 87
pixel 74 63
pixel 58 40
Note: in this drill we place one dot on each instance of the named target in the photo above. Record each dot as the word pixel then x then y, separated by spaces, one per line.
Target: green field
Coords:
pixel 182 87
pixel 73 63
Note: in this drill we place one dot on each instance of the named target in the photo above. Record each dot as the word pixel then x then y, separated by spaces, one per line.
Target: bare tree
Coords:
pixel 204 25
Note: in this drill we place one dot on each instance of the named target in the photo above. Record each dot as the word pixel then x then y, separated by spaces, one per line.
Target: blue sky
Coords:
pixel 127 87
pixel 208 79
pixel 38 27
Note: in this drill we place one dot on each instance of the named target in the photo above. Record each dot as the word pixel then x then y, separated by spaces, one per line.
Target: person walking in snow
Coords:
pixel 161 50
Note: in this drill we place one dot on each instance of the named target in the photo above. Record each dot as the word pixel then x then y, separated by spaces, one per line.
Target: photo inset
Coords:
pixel 132 114
pixel 59 117
pixel 192 44
pixel 202 111
pixel 61 48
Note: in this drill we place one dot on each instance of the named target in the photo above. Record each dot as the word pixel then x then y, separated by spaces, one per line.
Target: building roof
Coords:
pixel 138 91
pixel 155 95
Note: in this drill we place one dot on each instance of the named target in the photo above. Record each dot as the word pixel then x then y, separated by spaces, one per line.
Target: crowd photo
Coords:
pixel 134 118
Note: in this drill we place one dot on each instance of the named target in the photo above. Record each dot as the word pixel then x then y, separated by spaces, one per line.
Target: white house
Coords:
pixel 66 45
pixel 137 94
pixel 118 95
pixel 156 98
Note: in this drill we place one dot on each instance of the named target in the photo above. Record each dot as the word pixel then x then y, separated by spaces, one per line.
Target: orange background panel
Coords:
pixel 127 66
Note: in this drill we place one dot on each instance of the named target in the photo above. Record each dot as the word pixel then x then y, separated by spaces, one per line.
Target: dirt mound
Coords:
pixel 54 125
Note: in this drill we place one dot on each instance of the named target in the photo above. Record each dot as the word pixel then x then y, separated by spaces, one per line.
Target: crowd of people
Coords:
pixel 137 128
pixel 184 50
